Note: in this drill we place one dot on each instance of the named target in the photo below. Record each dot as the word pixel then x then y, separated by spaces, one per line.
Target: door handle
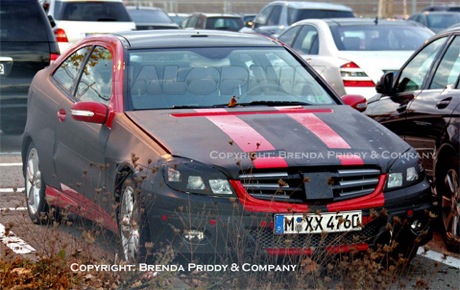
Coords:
pixel 61 114
pixel 444 103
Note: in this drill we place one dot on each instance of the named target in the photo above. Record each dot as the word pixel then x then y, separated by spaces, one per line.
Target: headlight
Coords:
pixel 405 171
pixel 194 177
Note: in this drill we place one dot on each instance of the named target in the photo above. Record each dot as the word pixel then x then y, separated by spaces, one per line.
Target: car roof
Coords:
pixel 313 5
pixel 218 14
pixel 192 38
pixel 142 7
pixel 357 21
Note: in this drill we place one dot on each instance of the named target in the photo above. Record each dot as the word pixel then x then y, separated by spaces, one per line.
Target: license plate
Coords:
pixel 2 69
pixel 317 223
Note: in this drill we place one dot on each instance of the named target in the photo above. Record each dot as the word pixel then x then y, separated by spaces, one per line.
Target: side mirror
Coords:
pixel 51 20
pixel 92 112
pixel 385 84
pixel 357 102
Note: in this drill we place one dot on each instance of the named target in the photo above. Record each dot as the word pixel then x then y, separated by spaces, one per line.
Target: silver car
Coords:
pixel 353 53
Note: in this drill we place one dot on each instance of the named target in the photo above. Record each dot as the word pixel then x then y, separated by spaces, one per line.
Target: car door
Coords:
pixel 80 146
pixel 429 113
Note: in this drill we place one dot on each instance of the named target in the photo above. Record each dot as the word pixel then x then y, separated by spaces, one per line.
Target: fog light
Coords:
pixel 194 234
pixel 416 225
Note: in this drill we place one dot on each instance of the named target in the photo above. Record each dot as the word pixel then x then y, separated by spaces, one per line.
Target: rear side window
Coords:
pixel 67 73
pixel 19 22
pixel 91 11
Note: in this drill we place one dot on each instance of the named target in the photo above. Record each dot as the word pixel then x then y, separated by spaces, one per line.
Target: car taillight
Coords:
pixel 60 35
pixel 354 76
pixel 53 57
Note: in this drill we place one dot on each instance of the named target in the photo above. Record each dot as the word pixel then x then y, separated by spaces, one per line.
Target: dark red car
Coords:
pixel 216 141
pixel 421 103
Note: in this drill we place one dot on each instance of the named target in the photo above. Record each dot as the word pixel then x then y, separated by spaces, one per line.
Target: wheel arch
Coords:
pixel 124 169
pixel 443 154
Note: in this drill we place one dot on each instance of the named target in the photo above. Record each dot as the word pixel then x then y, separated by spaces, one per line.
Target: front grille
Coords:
pixel 265 237
pixel 315 185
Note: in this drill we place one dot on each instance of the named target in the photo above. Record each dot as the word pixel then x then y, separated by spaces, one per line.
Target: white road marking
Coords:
pixel 6 209
pixel 439 257
pixel 18 245
pixel 11 190
pixel 10 164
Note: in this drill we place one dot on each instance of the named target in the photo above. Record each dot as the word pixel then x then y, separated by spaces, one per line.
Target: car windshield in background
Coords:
pixel 93 11
pixel 224 23
pixel 295 15
pixel 150 16
pixel 378 37
pixel 220 76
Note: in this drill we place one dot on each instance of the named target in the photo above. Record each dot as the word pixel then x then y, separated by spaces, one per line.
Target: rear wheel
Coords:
pixel 448 191
pixel 35 188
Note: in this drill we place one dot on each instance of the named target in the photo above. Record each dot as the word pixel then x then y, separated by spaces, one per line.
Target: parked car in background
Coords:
pixel 276 16
pixel 421 103
pixel 27 45
pixel 178 17
pixel 76 19
pixel 442 7
pixel 215 21
pixel 147 18
pixel 437 20
pixel 261 158
pixel 353 53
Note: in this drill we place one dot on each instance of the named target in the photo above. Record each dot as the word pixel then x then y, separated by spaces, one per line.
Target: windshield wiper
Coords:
pixel 270 103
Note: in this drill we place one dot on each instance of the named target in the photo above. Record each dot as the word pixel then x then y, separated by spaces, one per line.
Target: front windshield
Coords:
pixel 219 76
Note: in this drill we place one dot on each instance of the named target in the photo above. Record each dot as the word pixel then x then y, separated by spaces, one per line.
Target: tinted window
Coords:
pixel 96 80
pixel 91 11
pixel 448 71
pixel 149 16
pixel 307 41
pixel 412 76
pixel 300 14
pixel 290 34
pixel 274 18
pixel 262 17
pixel 67 73
pixel 14 27
pixel 379 37
pixel 224 23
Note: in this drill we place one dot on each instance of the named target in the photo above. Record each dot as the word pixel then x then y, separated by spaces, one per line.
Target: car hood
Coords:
pixel 267 137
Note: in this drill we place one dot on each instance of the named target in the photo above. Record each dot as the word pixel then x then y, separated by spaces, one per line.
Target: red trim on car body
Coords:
pixel 374 200
pixel 78 204
pixel 309 251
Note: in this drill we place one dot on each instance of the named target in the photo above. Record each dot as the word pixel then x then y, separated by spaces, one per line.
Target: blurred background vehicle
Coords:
pixel 27 44
pixel 437 20
pixel 421 103
pixel 353 53
pixel 214 21
pixel 76 19
pixel 442 7
pixel 178 17
pixel 147 18
pixel 275 17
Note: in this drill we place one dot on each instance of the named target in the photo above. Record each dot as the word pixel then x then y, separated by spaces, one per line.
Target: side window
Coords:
pixel 448 71
pixel 289 36
pixel 262 18
pixel 274 18
pixel 307 41
pixel 412 76
pixel 96 80
pixel 67 73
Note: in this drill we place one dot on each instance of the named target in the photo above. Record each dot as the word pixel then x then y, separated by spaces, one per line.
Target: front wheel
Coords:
pixel 448 191
pixel 35 188
pixel 132 226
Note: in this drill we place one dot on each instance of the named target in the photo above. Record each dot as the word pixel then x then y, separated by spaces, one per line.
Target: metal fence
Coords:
pixel 363 8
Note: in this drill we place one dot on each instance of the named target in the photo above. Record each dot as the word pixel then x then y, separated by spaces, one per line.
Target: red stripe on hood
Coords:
pixel 321 130
pixel 247 138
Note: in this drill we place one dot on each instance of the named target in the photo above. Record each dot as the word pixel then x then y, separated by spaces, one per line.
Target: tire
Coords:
pixel 448 192
pixel 132 226
pixel 35 188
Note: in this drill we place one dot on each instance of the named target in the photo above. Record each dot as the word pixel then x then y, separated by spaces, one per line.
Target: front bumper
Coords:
pixel 196 224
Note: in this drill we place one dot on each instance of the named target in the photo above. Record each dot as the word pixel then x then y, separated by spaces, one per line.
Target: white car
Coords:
pixel 76 19
pixel 353 53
